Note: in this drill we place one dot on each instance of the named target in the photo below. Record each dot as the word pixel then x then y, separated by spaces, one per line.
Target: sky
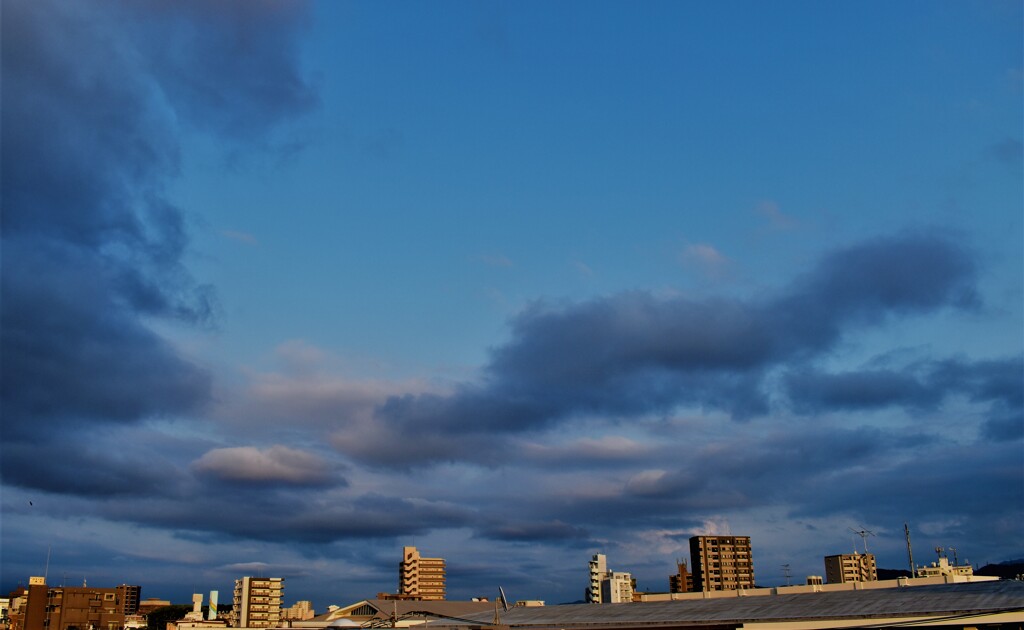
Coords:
pixel 287 287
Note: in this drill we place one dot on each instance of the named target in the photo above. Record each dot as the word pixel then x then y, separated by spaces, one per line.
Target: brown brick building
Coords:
pixel 73 608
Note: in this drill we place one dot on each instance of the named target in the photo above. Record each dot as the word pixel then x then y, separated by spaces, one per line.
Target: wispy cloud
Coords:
pixel 776 218
pixel 241 237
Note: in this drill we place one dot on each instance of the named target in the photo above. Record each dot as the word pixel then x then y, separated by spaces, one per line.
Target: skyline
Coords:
pixel 287 287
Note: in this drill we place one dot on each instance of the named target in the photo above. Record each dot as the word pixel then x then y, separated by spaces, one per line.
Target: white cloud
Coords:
pixel 277 464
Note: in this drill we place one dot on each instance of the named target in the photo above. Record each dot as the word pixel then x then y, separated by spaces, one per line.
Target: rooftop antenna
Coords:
pixel 786 572
pixel 863 533
pixel 46 571
pixel 910 552
pixel 953 549
pixel 938 551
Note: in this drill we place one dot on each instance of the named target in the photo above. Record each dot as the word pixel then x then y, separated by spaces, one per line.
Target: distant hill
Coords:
pixel 892 574
pixel 1007 570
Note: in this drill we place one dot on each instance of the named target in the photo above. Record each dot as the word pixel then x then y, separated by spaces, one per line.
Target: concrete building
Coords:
pixel 421 578
pixel 721 563
pixel 71 608
pixel 681 581
pixel 301 611
pixel 851 567
pixel 257 602
pixel 944 568
pixel 617 588
pixel 598 571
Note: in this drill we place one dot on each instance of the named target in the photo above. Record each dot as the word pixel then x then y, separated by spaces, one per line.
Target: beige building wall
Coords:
pixel 850 567
pixel 617 588
pixel 721 563
pixel 421 577
pixel 257 602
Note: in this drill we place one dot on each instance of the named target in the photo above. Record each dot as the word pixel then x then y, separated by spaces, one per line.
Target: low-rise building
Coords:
pixel 944 568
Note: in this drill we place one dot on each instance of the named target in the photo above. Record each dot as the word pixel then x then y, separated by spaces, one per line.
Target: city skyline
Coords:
pixel 287 287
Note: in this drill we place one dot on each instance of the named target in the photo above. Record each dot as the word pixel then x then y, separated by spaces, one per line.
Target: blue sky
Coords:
pixel 289 286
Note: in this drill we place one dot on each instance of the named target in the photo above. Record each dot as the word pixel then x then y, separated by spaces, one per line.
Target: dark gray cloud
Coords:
pixel 91 248
pixel 923 385
pixel 533 532
pixel 636 353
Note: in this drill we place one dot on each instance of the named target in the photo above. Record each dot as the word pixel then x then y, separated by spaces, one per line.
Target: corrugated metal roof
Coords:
pixel 946 599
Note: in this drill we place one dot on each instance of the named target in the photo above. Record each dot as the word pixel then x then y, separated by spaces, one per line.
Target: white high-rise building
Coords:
pixel 598 572
pixel 617 588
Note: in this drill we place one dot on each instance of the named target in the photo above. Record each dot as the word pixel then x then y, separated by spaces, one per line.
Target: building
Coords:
pixel 71 608
pixel 394 613
pixel 851 567
pixel 944 568
pixel 681 581
pixel 598 570
pixel 721 563
pixel 257 602
pixel 421 578
pixel 130 597
pixel 301 611
pixel 617 588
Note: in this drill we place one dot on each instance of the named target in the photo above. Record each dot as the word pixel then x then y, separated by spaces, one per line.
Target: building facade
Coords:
pixel 851 567
pixel 943 568
pixel 257 602
pixel 617 588
pixel 419 577
pixel 301 611
pixel 598 567
pixel 682 580
pixel 71 608
pixel 721 563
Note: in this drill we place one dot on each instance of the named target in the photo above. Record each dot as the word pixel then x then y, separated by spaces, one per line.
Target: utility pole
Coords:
pixel 910 552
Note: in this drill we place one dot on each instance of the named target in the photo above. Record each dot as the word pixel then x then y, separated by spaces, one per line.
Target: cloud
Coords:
pixel 637 353
pixel 776 218
pixel 706 259
pixel 1008 151
pixel 533 532
pixel 241 237
pixel 277 465
pixel 95 101
pixel 919 386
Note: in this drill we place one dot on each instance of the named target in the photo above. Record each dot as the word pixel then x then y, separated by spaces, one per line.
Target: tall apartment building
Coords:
pixel 598 571
pixel 721 563
pixel 419 577
pixel 257 602
pixel 850 567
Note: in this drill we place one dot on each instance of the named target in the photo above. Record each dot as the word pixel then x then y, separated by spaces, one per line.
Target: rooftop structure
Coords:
pixel 955 605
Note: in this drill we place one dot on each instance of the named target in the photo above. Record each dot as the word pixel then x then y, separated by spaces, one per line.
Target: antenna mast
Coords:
pixel 863 533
